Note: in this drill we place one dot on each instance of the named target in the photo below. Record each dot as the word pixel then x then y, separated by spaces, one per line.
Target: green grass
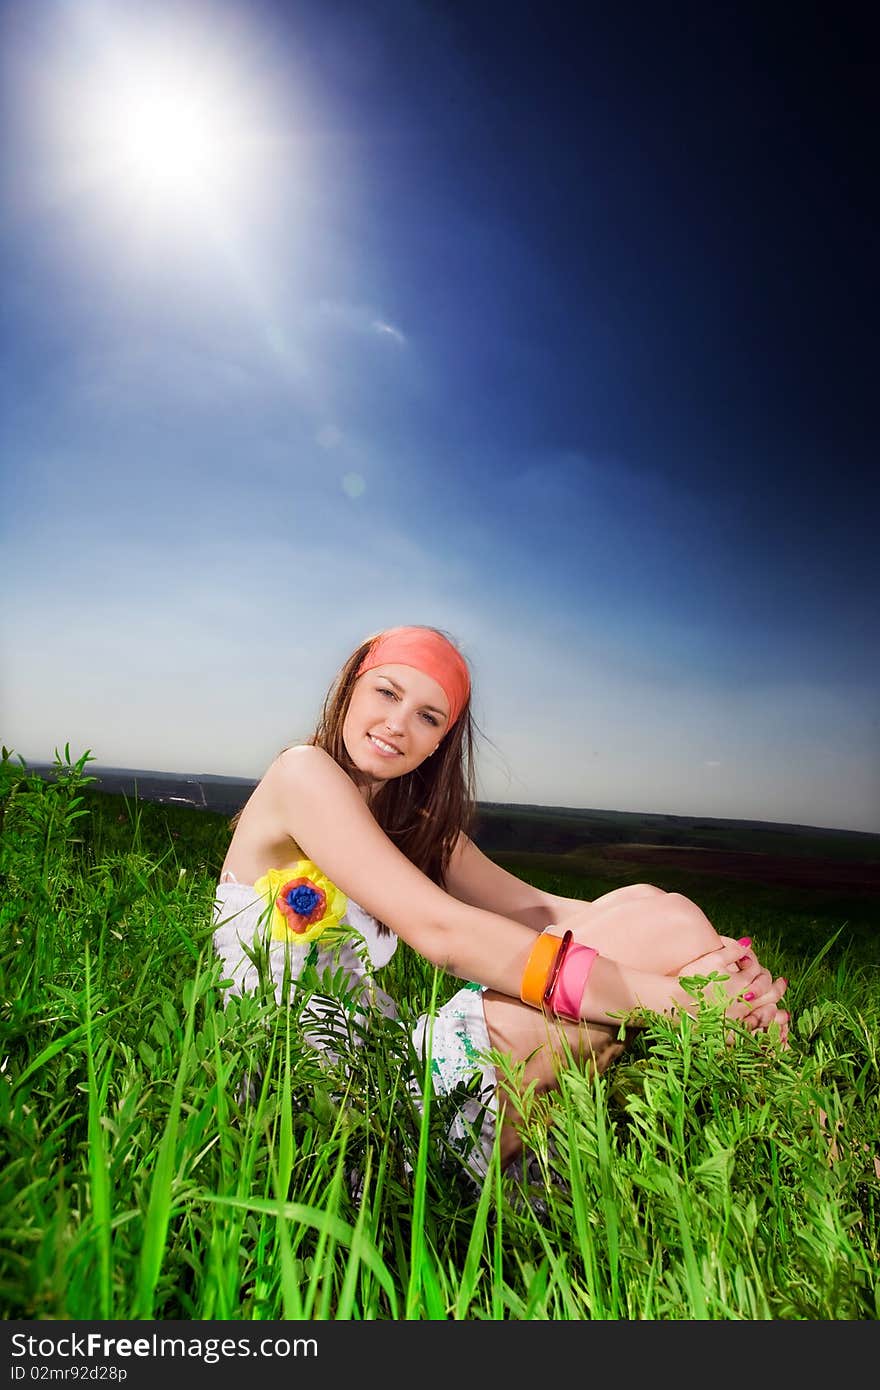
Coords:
pixel 142 1178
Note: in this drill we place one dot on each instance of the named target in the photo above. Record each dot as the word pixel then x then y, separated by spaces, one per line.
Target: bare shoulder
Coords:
pixel 303 766
pixel 304 775
pixel 278 822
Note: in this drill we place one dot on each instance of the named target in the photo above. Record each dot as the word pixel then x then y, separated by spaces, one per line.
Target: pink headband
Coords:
pixel 427 651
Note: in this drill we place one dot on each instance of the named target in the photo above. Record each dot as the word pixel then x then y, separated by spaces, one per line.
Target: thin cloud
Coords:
pixel 357 318
pixel 380 326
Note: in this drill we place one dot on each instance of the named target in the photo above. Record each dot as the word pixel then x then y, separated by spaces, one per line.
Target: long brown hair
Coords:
pixel 424 811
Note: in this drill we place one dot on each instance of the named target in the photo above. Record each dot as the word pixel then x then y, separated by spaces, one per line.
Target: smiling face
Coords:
pixel 396 718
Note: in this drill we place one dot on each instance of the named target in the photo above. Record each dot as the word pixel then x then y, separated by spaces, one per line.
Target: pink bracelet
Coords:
pixel 564 996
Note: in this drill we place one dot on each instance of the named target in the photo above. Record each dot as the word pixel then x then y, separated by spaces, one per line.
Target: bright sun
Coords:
pixel 167 127
pixel 163 138
pixel 163 135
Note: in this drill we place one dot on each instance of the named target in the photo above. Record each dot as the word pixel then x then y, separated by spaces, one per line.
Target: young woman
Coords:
pixel 359 837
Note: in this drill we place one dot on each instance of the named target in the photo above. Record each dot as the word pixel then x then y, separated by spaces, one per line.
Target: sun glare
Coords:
pixel 164 127
pixel 161 133
pixel 167 139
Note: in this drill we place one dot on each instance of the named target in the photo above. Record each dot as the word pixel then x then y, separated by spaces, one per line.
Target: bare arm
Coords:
pixel 473 878
pixel 635 925
pixel 320 809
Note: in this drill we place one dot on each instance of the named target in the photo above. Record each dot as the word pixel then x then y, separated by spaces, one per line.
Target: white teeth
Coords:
pixel 379 744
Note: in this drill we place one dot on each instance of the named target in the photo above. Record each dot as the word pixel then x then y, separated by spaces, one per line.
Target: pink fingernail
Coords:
pixel 750 995
pixel 744 941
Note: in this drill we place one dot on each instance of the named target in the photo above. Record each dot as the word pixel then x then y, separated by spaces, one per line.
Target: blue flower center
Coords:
pixel 303 900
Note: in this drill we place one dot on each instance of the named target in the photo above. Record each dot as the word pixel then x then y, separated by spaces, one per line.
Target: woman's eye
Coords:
pixel 431 720
pixel 382 691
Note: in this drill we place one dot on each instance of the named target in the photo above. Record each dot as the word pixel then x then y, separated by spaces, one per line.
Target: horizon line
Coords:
pixel 199 777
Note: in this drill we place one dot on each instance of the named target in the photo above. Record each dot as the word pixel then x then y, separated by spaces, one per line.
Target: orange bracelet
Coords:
pixel 539 965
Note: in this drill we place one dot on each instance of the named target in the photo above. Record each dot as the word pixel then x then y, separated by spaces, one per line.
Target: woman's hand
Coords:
pixel 759 1007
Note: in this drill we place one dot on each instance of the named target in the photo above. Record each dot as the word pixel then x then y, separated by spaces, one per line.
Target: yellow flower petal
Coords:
pixel 270 885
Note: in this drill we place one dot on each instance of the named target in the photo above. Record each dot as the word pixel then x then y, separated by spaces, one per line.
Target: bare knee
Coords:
pixel 694 934
pixel 628 893
pixel 650 929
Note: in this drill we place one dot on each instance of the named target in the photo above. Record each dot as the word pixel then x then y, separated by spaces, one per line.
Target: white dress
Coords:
pixel 456 1034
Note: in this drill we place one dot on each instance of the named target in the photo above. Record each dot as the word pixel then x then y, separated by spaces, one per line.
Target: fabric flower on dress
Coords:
pixel 305 903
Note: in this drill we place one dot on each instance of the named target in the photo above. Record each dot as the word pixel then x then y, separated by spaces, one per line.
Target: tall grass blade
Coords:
pixel 159 1209
pixel 99 1178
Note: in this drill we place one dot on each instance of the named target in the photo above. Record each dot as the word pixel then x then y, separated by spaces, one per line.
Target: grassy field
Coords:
pixel 565 830
pixel 141 1179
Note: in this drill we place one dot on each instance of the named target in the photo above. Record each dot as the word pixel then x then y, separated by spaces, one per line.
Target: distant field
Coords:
pixel 797 868
pixel 511 825
pixel 563 829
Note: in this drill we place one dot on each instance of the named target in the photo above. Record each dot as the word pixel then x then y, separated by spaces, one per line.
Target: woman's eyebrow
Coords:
pixel 435 709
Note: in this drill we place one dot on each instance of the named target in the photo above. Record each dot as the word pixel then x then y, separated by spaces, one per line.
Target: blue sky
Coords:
pixel 551 327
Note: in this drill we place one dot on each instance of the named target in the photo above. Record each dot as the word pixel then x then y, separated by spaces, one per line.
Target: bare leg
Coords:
pixel 530 1036
pixel 638 925
pixel 643 926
